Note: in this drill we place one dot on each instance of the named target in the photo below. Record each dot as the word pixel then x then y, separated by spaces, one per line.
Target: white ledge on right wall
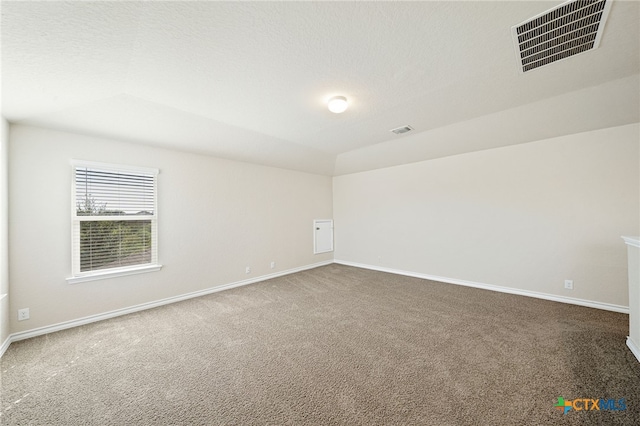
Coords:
pixel 632 241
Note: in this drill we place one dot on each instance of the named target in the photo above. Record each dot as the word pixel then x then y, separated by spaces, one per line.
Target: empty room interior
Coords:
pixel 320 212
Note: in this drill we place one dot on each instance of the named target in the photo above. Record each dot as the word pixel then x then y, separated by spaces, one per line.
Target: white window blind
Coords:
pixel 114 193
pixel 114 218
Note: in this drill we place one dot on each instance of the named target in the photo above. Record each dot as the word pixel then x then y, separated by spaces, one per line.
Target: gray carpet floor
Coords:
pixel 335 345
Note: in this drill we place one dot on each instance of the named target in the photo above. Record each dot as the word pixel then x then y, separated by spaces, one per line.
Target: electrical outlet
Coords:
pixel 247 270
pixel 568 284
pixel 273 265
pixel 23 314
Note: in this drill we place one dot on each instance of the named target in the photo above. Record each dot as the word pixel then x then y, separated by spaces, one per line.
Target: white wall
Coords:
pixel 215 217
pixel 525 216
pixel 4 221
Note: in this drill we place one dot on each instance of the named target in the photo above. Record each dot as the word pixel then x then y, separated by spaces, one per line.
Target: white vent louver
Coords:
pixel 401 130
pixel 566 30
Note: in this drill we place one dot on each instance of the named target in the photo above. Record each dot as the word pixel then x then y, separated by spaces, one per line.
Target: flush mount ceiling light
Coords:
pixel 337 104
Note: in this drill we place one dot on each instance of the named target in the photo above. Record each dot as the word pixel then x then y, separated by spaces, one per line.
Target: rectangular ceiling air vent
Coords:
pixel 401 130
pixel 566 30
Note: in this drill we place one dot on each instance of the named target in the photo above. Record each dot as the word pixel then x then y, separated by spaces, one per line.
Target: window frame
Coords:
pixel 76 275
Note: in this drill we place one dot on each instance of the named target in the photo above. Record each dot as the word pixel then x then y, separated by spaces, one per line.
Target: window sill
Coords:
pixel 114 273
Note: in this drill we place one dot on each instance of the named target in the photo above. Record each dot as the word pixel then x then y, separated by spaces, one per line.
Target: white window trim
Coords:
pixel 113 273
pixel 124 168
pixel 78 277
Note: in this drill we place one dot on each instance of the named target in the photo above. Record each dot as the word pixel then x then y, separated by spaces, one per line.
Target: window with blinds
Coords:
pixel 114 218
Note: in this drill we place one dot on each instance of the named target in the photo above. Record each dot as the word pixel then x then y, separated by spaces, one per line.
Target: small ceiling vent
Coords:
pixel 401 130
pixel 566 30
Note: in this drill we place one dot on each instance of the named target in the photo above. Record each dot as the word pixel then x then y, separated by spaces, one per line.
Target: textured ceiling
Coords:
pixel 248 80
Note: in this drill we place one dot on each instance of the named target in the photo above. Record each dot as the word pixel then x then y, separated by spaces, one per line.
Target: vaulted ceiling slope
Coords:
pixel 249 80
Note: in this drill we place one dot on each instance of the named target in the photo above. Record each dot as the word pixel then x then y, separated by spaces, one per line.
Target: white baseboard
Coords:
pixel 118 312
pixel 5 345
pixel 528 293
pixel 634 348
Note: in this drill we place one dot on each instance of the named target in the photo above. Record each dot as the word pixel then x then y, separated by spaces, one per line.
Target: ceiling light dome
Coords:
pixel 337 104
